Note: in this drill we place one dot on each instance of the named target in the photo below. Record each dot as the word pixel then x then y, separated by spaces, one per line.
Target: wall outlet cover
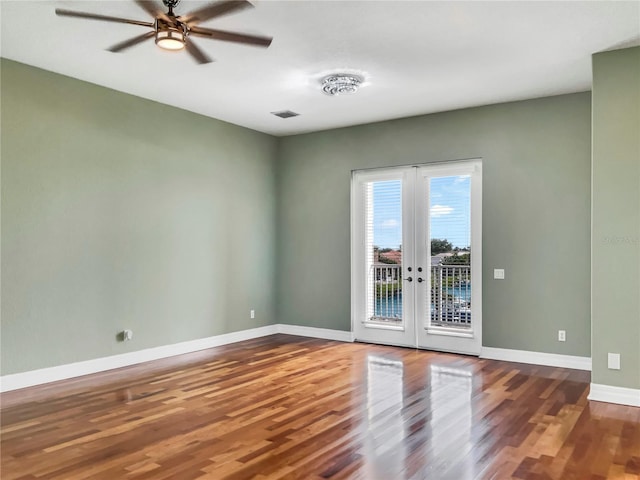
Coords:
pixel 498 273
pixel 613 361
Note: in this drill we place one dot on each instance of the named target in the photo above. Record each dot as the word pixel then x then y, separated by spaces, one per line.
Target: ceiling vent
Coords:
pixel 285 114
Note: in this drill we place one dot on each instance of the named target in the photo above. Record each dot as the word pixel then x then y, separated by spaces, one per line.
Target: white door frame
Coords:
pixel 468 341
pixel 414 331
pixel 404 334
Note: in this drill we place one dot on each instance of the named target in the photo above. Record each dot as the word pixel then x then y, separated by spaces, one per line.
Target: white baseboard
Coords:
pixel 536 358
pixel 611 394
pixel 62 372
pixel 70 370
pixel 325 333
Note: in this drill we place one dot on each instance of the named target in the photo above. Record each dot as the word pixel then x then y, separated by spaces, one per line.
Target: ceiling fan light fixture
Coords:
pixel 341 84
pixel 171 38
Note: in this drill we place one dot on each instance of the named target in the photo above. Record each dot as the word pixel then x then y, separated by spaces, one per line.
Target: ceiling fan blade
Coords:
pixel 118 47
pixel 196 53
pixel 153 9
pixel 231 36
pixel 92 16
pixel 215 10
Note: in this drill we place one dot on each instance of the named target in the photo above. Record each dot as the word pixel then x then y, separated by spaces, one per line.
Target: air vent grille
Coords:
pixel 285 114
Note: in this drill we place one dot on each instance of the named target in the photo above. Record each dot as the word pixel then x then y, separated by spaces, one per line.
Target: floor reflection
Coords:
pixel 384 441
pixel 450 426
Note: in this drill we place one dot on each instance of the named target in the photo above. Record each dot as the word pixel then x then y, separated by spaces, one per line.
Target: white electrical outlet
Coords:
pixel 613 361
pixel 252 313
pixel 127 335
pixel 498 273
pixel 562 336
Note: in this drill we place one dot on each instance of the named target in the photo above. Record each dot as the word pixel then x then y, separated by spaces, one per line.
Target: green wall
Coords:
pixel 118 212
pixel 616 216
pixel 536 215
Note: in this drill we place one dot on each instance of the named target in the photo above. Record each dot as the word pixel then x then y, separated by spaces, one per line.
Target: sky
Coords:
pixel 449 200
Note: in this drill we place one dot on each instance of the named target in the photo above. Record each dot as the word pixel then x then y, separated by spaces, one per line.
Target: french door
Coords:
pixel 416 264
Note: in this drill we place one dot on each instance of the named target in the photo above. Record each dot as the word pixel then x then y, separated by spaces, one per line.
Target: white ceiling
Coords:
pixel 417 57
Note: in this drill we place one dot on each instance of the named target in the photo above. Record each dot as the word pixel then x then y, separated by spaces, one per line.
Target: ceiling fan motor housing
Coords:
pixel 171 36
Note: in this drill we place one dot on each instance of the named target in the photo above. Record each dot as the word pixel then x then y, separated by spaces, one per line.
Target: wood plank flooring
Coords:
pixel 285 407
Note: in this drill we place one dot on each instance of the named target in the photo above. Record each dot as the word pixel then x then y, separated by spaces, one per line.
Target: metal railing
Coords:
pixel 387 293
pixel 450 296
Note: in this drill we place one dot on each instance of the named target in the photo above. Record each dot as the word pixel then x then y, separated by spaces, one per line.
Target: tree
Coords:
pixel 440 246
pixel 455 259
pixel 389 261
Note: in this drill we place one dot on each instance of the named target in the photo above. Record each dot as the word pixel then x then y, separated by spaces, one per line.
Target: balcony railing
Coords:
pixel 387 293
pixel 450 296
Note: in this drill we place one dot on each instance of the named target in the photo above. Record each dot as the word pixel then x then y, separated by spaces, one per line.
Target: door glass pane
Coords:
pixel 384 252
pixel 450 240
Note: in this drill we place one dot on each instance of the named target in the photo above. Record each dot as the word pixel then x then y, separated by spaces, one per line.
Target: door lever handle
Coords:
pixel 420 280
pixel 409 279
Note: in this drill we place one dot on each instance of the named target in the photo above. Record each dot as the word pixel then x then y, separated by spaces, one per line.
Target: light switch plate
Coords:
pixel 498 273
pixel 614 361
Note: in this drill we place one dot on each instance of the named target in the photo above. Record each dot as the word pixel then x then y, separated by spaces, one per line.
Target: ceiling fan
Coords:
pixel 173 32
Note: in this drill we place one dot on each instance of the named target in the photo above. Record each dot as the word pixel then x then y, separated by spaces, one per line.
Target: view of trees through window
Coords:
pixel 450 255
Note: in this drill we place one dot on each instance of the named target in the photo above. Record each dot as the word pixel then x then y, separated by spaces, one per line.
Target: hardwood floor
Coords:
pixel 284 407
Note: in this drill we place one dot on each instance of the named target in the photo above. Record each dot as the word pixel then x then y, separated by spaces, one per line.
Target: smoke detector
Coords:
pixel 341 84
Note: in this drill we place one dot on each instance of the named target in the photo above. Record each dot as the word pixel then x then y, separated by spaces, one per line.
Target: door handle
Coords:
pixel 420 280
pixel 409 279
